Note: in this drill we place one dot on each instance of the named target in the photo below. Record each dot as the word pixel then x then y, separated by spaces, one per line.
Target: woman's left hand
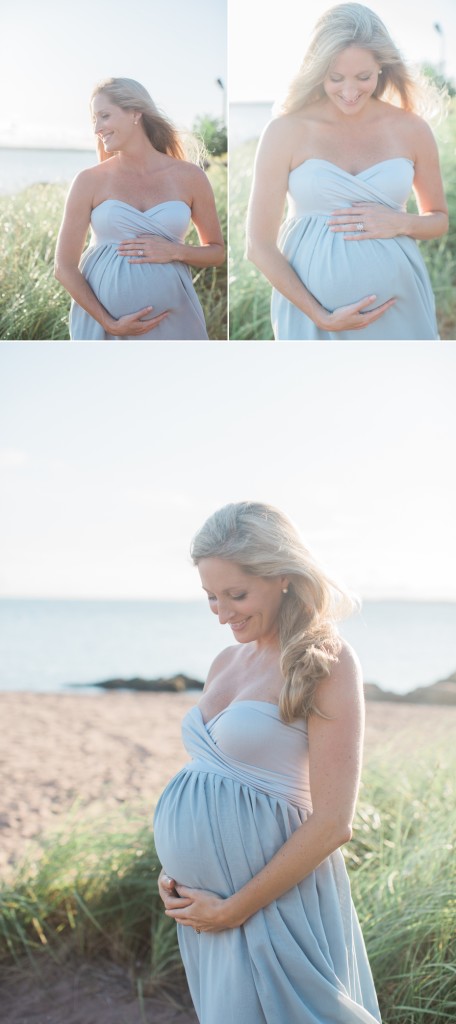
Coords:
pixel 367 220
pixel 206 912
pixel 149 249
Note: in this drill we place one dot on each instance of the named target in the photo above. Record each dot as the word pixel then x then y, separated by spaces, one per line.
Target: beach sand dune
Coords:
pixel 100 752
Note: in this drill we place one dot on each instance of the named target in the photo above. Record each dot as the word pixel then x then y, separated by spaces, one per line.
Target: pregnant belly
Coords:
pixel 339 272
pixel 124 287
pixel 214 833
pixel 186 837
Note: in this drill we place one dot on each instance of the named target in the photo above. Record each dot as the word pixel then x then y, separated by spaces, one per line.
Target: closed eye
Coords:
pixel 361 78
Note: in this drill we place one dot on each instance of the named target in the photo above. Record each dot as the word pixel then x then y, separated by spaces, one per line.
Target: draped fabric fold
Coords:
pixel 124 287
pixel 338 272
pixel 300 960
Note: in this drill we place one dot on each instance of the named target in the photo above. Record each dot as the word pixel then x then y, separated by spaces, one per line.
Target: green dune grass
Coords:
pixel 33 305
pixel 93 890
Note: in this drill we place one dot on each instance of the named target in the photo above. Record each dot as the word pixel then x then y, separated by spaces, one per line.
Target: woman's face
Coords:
pixel 249 604
pixel 351 79
pixel 111 123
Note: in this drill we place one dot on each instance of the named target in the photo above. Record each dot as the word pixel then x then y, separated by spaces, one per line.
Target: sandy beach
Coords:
pixel 101 752
pixel 110 749
pixel 97 751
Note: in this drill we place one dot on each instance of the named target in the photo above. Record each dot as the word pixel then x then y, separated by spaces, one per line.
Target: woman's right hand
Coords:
pixel 166 886
pixel 169 894
pixel 133 325
pixel 352 318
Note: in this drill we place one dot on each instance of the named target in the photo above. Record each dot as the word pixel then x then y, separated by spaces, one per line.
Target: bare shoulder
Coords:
pixel 348 665
pixel 291 138
pixel 191 179
pixel 188 171
pixel 421 134
pixel 413 129
pixel 281 131
pixel 421 142
pixel 274 153
pixel 342 690
pixel 410 121
pixel 87 181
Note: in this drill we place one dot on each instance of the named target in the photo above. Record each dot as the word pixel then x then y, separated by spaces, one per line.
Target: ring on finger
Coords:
pixel 140 252
pixel 359 226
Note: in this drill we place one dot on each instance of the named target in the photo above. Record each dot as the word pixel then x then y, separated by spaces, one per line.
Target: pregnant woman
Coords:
pixel 347 149
pixel 134 279
pixel 249 831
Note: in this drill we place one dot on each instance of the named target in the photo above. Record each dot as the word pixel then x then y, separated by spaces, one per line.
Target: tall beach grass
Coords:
pixel 250 293
pixel 93 891
pixel 34 306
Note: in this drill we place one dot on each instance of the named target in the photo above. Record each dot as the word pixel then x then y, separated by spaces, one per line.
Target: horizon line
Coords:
pixel 199 600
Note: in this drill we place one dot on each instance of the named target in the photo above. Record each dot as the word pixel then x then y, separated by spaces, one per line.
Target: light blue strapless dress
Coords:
pixel 124 287
pixel 339 272
pixel 300 960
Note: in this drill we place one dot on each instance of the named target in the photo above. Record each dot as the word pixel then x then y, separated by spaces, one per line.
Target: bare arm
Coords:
pixel 70 244
pixel 432 219
pixel 335 750
pixel 210 252
pixel 264 217
pixel 266 207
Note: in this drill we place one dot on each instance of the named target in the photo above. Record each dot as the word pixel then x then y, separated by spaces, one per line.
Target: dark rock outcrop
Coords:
pixel 441 692
pixel 176 684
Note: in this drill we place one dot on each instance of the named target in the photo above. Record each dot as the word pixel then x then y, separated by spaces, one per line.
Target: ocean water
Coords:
pixel 46 645
pixel 20 168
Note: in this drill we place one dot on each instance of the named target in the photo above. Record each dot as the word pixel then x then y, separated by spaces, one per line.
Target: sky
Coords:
pixel 53 54
pixel 112 456
pixel 267 42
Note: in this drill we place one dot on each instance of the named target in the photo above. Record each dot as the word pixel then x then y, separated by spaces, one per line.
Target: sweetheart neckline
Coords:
pixel 222 712
pixel 156 206
pixel 320 160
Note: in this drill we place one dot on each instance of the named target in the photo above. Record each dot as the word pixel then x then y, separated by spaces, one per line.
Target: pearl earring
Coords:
pixel 285 590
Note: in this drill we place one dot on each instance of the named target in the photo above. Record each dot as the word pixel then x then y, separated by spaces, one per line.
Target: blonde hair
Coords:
pixel 263 542
pixel 161 132
pixel 352 24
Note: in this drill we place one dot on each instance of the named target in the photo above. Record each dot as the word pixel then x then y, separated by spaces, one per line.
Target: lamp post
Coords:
pixel 219 82
pixel 440 32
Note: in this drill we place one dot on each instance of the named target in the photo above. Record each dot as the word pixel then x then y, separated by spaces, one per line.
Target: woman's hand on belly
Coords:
pixel 352 318
pixel 149 249
pixel 133 325
pixel 366 221
pixel 166 886
pixel 199 909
